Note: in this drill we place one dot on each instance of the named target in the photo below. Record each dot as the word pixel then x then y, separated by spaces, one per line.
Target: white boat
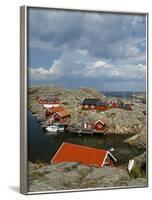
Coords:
pixel 52 128
pixel 60 128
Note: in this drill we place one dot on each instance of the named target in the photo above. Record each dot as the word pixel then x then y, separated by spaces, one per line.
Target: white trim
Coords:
pixel 100 121
pixel 41 98
pixel 56 113
pixel 57 152
pixel 112 156
pixel 104 159
pixel 45 105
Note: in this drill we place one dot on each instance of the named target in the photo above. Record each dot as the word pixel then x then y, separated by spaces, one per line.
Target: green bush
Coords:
pixel 137 172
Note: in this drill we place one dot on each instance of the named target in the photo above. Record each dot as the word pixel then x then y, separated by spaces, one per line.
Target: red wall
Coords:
pixel 48 102
pixel 60 119
pixel 108 162
pixel 99 128
pixel 99 108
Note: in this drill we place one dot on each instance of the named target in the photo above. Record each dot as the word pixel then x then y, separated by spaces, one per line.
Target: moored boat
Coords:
pixel 60 128
pixel 52 128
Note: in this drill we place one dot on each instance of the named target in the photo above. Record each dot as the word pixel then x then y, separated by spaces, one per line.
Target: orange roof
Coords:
pixel 63 113
pixel 56 109
pixel 77 153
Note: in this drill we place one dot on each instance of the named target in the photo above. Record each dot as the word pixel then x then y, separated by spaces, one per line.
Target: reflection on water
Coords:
pixel 43 147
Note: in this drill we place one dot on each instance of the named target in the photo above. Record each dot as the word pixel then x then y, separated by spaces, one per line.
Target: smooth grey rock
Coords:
pixel 66 176
pixel 137 182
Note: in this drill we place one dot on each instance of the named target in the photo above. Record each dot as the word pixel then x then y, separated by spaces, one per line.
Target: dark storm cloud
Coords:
pixel 103 47
pixel 105 35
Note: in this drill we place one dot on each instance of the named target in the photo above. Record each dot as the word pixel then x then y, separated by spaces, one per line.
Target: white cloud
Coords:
pixel 68 67
pixel 38 73
pixel 93 47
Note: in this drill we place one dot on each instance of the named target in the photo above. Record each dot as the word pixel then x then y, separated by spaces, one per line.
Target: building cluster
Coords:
pixel 54 113
pixel 98 105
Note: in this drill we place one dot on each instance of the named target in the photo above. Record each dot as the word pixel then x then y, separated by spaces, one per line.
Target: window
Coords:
pixel 86 106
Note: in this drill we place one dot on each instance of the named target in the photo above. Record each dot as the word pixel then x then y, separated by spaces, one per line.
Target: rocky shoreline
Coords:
pixel 119 121
pixel 67 176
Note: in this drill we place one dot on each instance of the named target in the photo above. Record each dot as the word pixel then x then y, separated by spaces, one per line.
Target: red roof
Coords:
pixel 77 153
pixel 56 109
pixel 63 113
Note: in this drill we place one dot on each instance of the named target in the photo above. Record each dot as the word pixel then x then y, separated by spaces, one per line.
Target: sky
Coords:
pixel 73 49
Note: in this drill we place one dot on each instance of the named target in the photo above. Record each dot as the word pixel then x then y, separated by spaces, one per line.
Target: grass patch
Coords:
pixel 138 172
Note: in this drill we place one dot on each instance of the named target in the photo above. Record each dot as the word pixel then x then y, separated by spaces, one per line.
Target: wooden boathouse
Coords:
pixel 82 154
pixel 96 126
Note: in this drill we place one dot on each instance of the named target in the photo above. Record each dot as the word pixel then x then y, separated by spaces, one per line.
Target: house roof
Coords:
pixel 125 107
pixel 41 98
pixel 91 101
pixel 56 109
pixel 49 98
pixel 63 113
pixel 120 101
pixel 77 153
pixel 103 120
pixel 102 103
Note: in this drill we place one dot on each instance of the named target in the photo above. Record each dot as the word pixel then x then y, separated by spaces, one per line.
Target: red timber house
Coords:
pixel 98 126
pixel 101 124
pixel 93 104
pixel 50 111
pixel 114 103
pixel 82 154
pixel 57 115
pixel 62 117
pixel 49 102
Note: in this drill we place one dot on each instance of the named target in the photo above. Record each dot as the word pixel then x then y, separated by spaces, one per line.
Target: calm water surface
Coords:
pixel 42 147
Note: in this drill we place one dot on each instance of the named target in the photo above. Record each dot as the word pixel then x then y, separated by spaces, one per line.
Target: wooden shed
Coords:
pixel 94 104
pixel 82 154
pixel 61 117
pixel 50 111
pixel 90 103
pixel 100 125
pixel 97 126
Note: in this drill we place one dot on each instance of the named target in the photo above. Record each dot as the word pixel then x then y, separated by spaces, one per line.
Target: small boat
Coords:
pixel 60 128
pixel 52 128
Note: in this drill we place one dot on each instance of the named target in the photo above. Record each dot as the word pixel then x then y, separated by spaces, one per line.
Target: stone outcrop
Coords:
pixel 66 176
pixel 140 139
pixel 119 121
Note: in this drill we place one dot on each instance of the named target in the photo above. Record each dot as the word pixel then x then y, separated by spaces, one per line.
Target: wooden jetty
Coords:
pixel 84 131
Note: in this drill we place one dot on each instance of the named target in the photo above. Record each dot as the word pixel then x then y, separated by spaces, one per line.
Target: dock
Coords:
pixel 84 131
